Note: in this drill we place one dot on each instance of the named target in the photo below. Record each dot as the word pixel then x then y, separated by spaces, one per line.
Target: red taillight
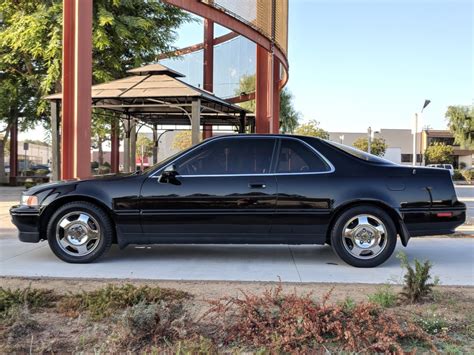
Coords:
pixel 444 214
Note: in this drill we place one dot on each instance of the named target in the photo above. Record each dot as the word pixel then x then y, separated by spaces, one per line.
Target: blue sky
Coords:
pixel 355 64
pixel 360 63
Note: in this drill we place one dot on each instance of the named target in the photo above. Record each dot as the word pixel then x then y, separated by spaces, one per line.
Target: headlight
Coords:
pixel 29 200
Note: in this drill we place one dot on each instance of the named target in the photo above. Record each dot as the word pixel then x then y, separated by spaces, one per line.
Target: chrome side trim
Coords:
pixel 331 167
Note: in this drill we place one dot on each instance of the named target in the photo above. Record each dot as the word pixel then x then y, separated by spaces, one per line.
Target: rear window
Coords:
pixel 359 153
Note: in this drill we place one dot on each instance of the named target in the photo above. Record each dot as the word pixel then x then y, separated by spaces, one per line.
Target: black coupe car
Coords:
pixel 250 189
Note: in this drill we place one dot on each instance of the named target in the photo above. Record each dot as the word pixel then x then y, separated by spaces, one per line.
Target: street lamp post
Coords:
pixel 415 130
pixel 369 140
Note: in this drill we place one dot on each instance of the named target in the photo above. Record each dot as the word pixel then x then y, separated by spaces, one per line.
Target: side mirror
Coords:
pixel 169 174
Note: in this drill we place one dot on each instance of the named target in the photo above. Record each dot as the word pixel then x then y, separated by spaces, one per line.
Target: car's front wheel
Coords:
pixel 79 232
pixel 364 236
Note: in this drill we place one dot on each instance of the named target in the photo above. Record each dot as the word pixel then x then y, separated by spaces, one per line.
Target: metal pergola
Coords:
pixel 154 95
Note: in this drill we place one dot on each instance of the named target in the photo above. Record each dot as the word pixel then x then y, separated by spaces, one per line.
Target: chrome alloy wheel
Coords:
pixel 78 233
pixel 364 236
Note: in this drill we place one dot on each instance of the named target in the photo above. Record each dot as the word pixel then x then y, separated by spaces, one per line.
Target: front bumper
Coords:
pixel 27 220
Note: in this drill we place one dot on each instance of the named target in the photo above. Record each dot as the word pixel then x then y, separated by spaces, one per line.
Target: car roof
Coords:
pixel 259 135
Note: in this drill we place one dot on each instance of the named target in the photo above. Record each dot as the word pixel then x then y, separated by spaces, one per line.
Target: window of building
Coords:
pixel 295 157
pixel 229 156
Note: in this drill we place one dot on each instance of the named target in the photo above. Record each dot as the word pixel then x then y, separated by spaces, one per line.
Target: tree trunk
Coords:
pixel 101 152
pixel 3 142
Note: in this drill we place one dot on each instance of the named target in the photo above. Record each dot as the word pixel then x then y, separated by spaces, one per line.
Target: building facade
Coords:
pixel 400 144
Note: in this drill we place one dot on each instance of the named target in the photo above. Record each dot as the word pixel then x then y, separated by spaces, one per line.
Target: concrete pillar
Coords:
pixel 55 142
pixel 196 121
pixel 13 152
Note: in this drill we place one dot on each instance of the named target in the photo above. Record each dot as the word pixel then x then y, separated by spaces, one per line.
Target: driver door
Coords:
pixel 222 189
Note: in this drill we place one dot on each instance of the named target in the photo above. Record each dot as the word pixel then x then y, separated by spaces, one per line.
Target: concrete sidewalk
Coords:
pixel 453 261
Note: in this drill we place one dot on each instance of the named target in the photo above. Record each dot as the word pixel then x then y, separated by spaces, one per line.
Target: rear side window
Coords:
pixel 295 157
pixel 229 156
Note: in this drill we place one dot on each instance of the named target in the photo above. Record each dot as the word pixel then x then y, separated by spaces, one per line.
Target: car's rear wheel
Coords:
pixel 364 236
pixel 79 232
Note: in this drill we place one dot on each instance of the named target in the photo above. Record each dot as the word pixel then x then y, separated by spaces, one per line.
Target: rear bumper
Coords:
pixel 26 219
pixel 434 221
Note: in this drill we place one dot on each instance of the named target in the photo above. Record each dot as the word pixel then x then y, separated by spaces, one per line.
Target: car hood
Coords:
pixel 52 185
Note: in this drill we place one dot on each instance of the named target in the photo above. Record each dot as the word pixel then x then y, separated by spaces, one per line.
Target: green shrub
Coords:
pixel 42 172
pixel 28 297
pixel 416 287
pixel 348 304
pixel 112 298
pixel 103 170
pixel 458 175
pixel 467 175
pixel 384 297
pixel 433 324
pixel 145 322
pixel 197 345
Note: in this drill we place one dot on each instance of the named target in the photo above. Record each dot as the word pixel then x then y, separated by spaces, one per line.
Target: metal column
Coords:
pixel 264 91
pixel 126 145
pixel 196 122
pixel 115 145
pixel 155 143
pixel 208 70
pixel 77 81
pixel 55 142
pixel 133 145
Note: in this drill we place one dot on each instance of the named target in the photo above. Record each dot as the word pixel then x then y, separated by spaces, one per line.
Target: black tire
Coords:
pixel 101 226
pixel 376 216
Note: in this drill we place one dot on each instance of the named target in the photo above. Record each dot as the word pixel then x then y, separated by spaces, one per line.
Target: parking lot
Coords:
pixel 453 259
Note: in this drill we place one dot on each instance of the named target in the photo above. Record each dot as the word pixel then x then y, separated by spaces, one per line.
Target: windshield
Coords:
pixel 359 153
pixel 165 161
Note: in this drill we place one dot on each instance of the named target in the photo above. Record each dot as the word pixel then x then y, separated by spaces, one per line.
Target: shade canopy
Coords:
pixel 157 95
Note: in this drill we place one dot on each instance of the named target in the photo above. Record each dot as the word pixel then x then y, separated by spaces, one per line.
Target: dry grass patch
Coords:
pixel 289 323
pixel 109 300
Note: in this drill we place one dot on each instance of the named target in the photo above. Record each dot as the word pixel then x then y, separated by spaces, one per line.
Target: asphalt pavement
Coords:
pixel 453 259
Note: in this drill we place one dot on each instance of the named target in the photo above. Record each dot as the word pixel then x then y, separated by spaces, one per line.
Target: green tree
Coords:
pixel 182 140
pixel 289 117
pixel 144 147
pixel 377 146
pixel 438 153
pixel 100 133
pixel 246 86
pixel 461 125
pixel 311 129
pixel 126 34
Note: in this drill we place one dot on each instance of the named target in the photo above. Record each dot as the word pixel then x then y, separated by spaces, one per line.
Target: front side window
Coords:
pixel 229 156
pixel 295 157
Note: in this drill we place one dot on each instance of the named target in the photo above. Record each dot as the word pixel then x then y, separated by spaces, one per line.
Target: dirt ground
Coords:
pixel 57 333
pixel 207 290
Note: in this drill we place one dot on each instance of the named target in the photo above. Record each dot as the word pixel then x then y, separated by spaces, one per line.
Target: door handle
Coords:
pixel 257 186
